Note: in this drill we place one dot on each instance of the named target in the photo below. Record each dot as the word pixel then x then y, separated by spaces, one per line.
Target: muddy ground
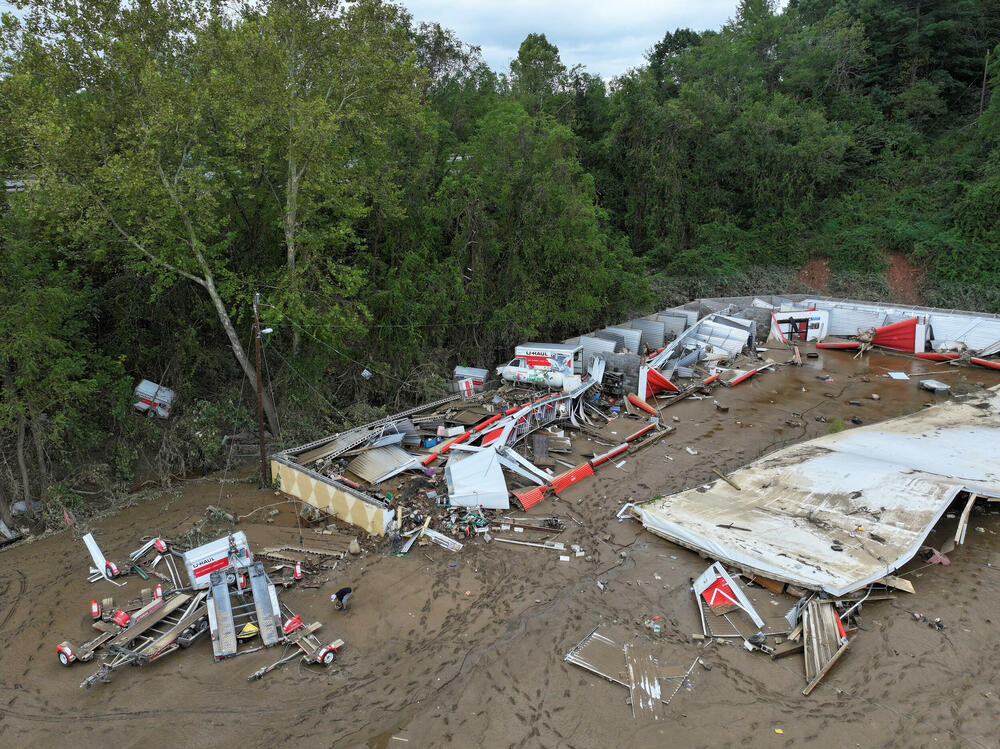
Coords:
pixel 471 654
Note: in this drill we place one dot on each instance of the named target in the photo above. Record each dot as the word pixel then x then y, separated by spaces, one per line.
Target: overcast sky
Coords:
pixel 607 36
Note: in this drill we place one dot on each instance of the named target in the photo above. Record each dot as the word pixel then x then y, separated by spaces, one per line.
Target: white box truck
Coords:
pixel 542 363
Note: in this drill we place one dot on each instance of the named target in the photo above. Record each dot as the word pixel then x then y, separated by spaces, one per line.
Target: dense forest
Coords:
pixel 401 208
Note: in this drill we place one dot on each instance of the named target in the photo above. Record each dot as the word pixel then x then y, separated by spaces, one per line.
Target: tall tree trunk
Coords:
pixel 23 466
pixel 241 355
pixel 5 503
pixel 43 469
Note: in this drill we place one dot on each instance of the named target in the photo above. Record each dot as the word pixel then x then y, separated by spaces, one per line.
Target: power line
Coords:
pixel 310 386
pixel 270 387
pixel 346 326
pixel 368 367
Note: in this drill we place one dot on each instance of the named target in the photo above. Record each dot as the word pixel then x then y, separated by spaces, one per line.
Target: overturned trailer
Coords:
pixel 847 509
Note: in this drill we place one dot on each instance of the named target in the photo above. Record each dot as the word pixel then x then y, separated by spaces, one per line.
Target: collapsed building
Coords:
pixel 828 520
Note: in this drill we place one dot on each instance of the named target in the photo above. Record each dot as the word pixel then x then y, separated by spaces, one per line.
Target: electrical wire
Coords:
pixel 270 387
pixel 398 325
pixel 232 444
pixel 310 386
pixel 368 367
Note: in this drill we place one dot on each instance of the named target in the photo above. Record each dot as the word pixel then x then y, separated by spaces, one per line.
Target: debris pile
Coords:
pixel 217 588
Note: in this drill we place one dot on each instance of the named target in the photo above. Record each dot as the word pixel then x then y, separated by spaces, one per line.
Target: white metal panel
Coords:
pixel 847 321
pixel 895 479
pixel 593 346
pixel 630 336
pixel 673 323
pixel 651 330
pixel 476 480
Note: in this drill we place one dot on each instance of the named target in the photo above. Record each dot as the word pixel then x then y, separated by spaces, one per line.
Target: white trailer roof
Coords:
pixel 894 480
pixel 557 348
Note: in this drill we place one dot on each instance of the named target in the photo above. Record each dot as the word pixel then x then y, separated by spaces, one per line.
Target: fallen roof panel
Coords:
pixel 372 465
pixel 476 480
pixel 894 480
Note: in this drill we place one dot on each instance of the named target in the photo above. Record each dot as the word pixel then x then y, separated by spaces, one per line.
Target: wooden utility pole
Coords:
pixel 264 482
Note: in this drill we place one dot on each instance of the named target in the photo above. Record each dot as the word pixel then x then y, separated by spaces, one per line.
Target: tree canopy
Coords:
pixel 403 208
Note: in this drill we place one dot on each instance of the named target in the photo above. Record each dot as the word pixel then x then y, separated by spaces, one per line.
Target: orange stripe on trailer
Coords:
pixel 657 383
pixel 640 432
pixel 447 445
pixel 742 377
pixel 935 356
pixel 711 379
pixel 566 480
pixel 491 436
pixel 531 497
pixel 985 363
pixel 609 455
pixel 483 425
pixel 638 402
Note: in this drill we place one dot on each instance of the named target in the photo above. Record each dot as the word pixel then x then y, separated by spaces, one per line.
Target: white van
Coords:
pixel 546 364
pixel 154 399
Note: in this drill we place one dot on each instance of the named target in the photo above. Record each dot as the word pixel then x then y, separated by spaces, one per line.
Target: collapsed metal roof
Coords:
pixel 796 507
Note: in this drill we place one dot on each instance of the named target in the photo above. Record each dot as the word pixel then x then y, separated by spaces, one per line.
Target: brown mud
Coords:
pixel 471 655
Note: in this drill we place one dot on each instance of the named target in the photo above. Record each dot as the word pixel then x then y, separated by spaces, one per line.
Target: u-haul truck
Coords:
pixel 543 363
pixel 202 561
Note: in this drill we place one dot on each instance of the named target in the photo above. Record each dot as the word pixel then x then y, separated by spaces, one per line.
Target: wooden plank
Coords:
pixel 786 649
pixel 964 520
pixel 821 640
pixel 900 583
pixel 829 664
pixel 765 582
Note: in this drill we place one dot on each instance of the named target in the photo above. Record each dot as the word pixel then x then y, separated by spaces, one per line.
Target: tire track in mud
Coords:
pixel 5 593
pixel 512 629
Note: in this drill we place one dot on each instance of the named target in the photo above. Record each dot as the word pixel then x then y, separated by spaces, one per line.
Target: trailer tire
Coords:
pixel 64 659
pixel 328 657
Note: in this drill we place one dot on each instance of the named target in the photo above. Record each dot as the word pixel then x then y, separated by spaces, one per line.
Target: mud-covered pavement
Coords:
pixel 471 655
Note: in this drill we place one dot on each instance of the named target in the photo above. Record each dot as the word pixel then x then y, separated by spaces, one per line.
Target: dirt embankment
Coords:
pixel 471 654
pixel 905 280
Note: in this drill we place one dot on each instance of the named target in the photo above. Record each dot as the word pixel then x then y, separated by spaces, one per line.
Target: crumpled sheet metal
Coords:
pixel 894 480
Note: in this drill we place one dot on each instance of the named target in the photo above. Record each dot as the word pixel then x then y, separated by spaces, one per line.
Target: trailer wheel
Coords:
pixel 327 659
pixel 64 659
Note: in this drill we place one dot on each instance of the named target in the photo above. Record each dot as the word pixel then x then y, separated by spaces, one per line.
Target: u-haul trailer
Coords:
pixel 232 550
pixel 543 363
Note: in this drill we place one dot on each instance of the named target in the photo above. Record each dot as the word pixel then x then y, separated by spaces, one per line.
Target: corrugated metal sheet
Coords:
pixel 618 338
pixel 629 336
pixel 593 346
pixel 673 323
pixel 896 479
pixel 372 465
pixel 651 330
pixel 847 321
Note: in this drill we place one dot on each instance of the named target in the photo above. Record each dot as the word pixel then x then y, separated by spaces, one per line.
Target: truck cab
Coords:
pixel 548 364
